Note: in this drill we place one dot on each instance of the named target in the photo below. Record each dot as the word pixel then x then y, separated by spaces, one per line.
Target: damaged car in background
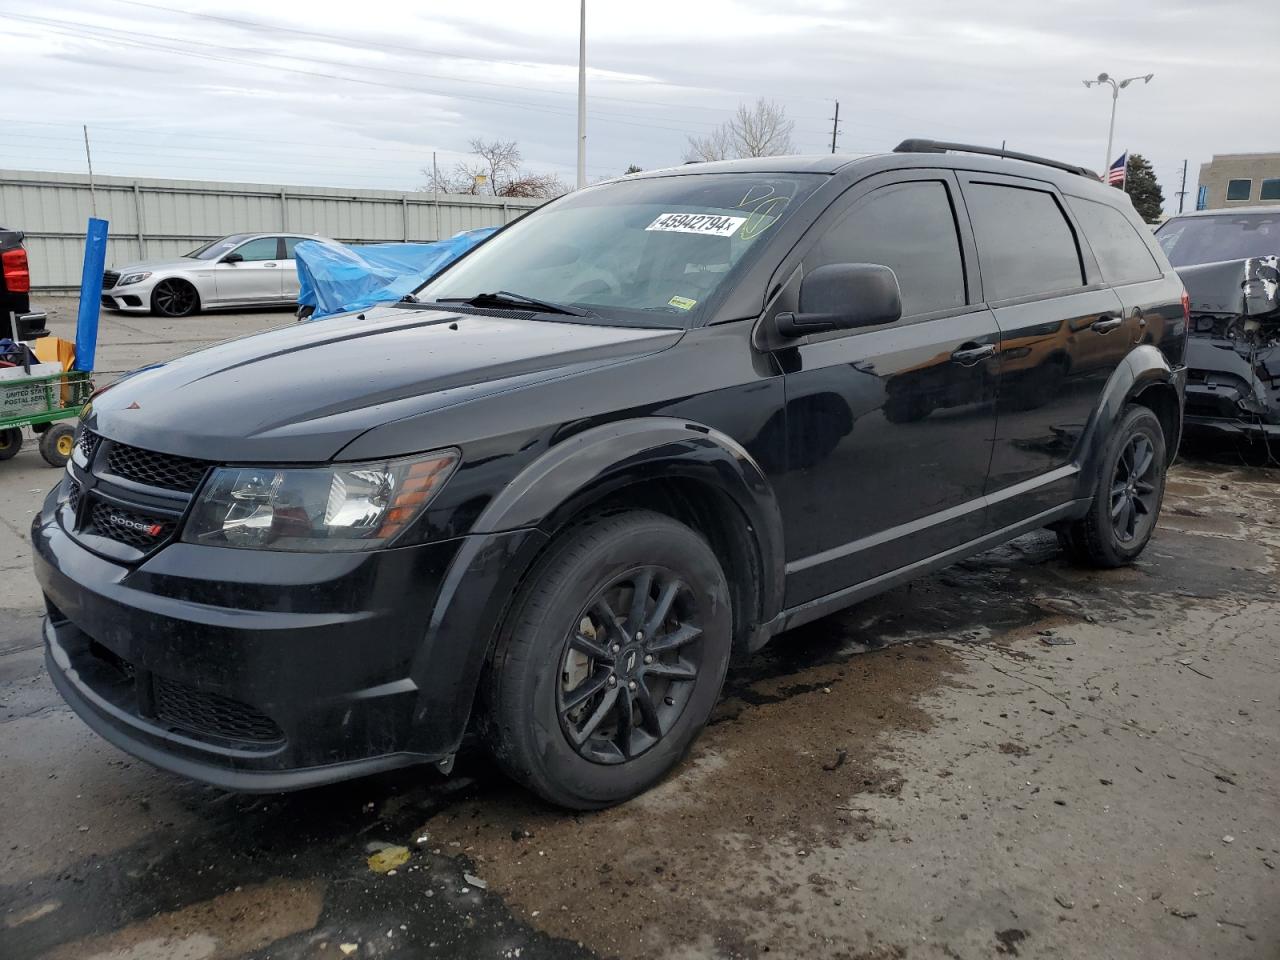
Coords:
pixel 1229 261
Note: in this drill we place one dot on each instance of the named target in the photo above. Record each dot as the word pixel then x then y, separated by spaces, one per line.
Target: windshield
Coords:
pixel 217 248
pixel 1192 240
pixel 647 252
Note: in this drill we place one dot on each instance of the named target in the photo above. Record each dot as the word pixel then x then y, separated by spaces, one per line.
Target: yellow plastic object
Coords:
pixel 388 858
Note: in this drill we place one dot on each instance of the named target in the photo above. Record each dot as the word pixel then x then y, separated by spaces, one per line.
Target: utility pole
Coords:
pixel 93 194
pixel 835 127
pixel 435 188
pixel 1183 192
pixel 1116 87
pixel 582 96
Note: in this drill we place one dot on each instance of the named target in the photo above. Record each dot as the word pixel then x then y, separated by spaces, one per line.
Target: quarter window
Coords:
pixel 264 248
pixel 1270 189
pixel 910 228
pixel 1025 244
pixel 1123 256
pixel 1239 189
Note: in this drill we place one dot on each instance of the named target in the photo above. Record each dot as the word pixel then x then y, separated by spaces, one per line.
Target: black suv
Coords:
pixel 631 436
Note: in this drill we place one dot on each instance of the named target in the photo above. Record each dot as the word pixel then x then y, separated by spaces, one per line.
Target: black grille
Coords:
pixel 155 469
pixel 211 714
pixel 138 530
pixel 110 279
pixel 73 495
pixel 88 444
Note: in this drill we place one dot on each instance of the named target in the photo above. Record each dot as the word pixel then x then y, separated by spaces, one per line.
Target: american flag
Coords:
pixel 1115 176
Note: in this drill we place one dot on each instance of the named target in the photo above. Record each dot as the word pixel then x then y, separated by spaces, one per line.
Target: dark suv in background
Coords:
pixel 637 433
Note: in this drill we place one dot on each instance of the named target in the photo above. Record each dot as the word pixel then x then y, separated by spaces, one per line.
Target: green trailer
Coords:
pixel 49 405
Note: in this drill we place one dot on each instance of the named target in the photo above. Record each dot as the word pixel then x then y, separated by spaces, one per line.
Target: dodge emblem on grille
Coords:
pixel 150 529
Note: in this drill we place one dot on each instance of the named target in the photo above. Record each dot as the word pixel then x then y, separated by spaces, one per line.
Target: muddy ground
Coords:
pixel 1010 758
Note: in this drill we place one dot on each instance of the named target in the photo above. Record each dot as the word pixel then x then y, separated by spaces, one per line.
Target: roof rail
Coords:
pixel 941 146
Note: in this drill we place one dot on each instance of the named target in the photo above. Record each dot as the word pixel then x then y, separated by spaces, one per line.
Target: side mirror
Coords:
pixel 843 296
pixel 232 258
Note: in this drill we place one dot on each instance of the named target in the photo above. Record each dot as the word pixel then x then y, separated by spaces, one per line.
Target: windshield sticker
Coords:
pixel 708 224
pixel 683 303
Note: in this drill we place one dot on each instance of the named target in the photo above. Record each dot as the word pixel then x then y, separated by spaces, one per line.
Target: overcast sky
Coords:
pixel 359 94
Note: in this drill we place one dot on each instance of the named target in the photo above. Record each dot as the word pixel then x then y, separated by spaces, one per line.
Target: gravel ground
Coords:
pixel 1009 758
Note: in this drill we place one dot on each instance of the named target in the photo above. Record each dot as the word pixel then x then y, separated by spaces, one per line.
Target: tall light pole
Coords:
pixel 582 97
pixel 1116 87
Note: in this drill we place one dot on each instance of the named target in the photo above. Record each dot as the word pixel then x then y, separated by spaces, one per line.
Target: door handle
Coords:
pixel 970 353
pixel 268 264
pixel 1105 324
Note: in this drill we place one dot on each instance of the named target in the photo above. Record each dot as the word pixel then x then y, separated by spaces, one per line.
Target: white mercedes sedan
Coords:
pixel 239 271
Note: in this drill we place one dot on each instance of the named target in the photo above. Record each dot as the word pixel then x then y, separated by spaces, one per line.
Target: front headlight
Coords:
pixel 345 506
pixel 132 278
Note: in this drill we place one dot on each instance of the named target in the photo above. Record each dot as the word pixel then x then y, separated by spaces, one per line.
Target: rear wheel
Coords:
pixel 56 444
pixel 609 661
pixel 1127 496
pixel 174 298
pixel 10 443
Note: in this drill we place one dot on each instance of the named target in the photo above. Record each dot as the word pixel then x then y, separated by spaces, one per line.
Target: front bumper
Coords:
pixel 131 297
pixel 253 670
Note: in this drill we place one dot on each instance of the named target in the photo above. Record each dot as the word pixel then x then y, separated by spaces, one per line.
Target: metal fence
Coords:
pixel 151 219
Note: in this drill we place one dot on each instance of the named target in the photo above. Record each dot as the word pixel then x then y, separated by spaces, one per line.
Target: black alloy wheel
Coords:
pixel 1127 493
pixel 1134 497
pixel 626 678
pixel 174 298
pixel 609 660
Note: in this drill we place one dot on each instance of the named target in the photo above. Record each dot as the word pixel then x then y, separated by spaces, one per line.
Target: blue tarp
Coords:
pixel 337 278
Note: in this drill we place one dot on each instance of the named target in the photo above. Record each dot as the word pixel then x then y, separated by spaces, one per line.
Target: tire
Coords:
pixel 56 444
pixel 10 443
pixel 556 636
pixel 174 298
pixel 1106 538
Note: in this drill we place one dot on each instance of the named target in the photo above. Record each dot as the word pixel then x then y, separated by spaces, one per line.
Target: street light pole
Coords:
pixel 582 97
pixel 1116 87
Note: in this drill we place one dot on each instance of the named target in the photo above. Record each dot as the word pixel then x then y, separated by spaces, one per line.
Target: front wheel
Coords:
pixel 174 298
pixel 10 443
pixel 1127 495
pixel 610 660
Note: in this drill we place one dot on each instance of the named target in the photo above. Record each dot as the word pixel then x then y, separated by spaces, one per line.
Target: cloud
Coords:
pixel 168 93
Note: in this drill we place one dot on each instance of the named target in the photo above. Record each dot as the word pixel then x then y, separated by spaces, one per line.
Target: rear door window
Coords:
pixel 1123 256
pixel 1026 246
pixel 911 228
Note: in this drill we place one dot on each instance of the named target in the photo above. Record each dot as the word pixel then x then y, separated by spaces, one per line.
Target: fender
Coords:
pixel 1144 367
pixel 549 492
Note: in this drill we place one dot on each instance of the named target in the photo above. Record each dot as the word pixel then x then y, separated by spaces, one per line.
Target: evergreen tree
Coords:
pixel 1143 189
pixel 632 169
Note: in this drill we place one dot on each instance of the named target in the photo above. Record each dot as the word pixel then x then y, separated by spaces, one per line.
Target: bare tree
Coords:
pixel 762 130
pixel 496 171
pixel 717 145
pixel 755 130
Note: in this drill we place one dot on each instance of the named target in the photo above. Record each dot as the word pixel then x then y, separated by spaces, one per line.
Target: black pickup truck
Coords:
pixel 15 288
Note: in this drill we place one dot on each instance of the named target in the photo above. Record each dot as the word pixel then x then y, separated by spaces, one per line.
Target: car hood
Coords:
pixel 159 266
pixel 303 392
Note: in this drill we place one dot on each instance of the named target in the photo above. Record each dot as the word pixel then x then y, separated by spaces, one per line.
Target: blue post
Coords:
pixel 95 260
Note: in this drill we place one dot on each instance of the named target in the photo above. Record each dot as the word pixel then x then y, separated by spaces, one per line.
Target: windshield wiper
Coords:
pixel 505 298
